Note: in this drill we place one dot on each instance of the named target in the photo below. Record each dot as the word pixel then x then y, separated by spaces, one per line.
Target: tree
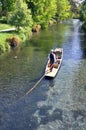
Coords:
pixel 6 6
pixel 83 15
pixel 21 16
pixel 63 10
pixel 42 11
pixel 83 12
pixel 75 8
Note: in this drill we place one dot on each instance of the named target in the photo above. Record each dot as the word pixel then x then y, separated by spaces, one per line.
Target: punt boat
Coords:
pixel 51 71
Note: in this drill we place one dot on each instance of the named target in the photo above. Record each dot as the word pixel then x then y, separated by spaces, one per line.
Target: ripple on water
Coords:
pixel 64 107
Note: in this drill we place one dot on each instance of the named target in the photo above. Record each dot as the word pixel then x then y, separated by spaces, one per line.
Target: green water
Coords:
pixel 56 104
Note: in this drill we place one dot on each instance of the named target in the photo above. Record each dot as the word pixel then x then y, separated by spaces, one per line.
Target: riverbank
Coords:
pixel 4 45
pixel 9 32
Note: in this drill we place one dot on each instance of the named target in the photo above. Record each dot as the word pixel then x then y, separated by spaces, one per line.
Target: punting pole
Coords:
pixel 35 85
pixel 29 91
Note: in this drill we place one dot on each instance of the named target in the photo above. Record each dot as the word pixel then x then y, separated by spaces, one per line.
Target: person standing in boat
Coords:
pixel 52 58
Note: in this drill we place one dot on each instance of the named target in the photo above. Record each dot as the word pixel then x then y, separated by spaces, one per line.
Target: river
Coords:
pixel 55 104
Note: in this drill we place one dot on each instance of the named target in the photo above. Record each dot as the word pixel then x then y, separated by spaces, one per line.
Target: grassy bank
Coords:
pixel 4 45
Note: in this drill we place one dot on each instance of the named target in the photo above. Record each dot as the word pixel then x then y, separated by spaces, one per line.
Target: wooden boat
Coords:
pixel 55 67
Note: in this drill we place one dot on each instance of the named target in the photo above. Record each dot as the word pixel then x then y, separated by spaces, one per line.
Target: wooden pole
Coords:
pixel 29 91
pixel 35 85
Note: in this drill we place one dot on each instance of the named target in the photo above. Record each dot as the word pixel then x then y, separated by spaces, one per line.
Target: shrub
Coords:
pixel 13 41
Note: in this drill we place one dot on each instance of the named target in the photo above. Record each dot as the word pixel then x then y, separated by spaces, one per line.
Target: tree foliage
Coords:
pixel 6 6
pixel 21 16
pixel 83 11
pixel 63 10
pixel 83 14
pixel 42 10
pixel 75 8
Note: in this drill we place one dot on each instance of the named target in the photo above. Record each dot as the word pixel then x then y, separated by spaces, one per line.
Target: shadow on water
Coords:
pixel 84 53
pixel 49 78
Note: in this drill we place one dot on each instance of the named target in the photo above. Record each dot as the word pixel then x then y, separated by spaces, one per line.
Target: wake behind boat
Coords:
pixel 55 67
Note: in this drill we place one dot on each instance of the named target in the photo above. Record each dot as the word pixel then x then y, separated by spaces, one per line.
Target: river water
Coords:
pixel 55 104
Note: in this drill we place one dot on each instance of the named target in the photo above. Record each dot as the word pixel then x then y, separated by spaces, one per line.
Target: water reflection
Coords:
pixel 73 44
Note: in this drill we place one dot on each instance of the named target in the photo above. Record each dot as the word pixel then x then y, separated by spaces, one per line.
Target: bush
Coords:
pixel 13 41
pixel 3 20
pixel 36 28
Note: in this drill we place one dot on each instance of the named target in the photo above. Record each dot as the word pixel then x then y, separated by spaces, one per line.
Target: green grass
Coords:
pixel 4 45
